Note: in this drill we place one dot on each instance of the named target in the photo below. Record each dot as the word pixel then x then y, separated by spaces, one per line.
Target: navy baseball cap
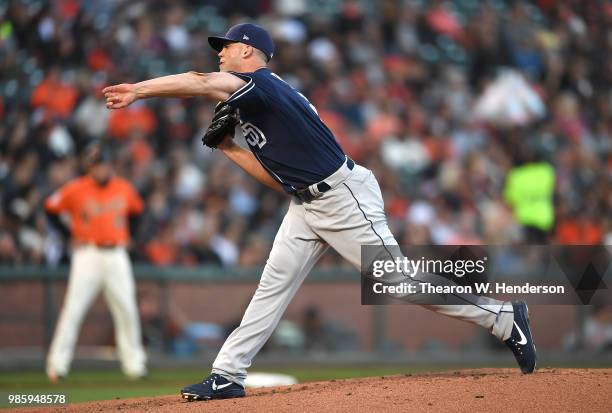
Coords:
pixel 246 33
pixel 97 152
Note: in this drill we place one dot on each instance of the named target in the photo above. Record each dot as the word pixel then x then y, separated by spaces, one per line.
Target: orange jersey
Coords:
pixel 98 214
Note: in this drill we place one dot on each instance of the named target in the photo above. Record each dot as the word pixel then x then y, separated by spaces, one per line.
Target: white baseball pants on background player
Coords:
pixel 93 269
pixel 346 217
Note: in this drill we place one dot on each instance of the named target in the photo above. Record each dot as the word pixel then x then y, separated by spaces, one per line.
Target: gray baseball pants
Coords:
pixel 346 217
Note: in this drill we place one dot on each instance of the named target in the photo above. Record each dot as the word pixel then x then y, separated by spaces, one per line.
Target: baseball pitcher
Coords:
pixel 335 202
pixel 99 206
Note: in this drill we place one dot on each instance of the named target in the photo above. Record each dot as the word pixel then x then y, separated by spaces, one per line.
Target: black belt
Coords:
pixel 305 195
pixel 106 245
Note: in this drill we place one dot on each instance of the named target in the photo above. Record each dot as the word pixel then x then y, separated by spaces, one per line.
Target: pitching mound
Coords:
pixel 548 390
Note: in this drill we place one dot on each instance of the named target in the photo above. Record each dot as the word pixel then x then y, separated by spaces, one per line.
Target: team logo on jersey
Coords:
pixel 253 135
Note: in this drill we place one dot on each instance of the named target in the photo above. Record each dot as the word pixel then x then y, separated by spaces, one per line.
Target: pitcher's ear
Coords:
pixel 247 51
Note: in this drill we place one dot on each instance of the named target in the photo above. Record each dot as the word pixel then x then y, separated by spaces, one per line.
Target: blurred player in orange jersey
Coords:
pixel 99 205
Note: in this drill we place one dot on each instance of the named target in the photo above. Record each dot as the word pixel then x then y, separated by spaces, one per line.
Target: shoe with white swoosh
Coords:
pixel 521 341
pixel 212 387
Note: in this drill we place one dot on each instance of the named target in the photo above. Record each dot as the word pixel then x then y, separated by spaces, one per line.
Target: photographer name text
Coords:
pixel 477 288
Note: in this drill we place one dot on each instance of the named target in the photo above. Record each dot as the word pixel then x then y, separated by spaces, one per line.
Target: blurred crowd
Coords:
pixel 396 81
pixel 175 333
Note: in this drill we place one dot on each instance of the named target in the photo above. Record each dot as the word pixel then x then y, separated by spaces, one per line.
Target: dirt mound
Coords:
pixel 548 390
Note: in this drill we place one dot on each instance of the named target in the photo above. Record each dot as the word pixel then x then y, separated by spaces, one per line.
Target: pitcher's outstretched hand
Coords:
pixel 119 96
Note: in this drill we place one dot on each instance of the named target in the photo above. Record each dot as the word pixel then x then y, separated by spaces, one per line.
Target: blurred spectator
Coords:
pixel 596 336
pixel 529 190
pixel 398 83
pixel 138 118
pixel 172 331
pixel 158 330
pixel 55 96
pixel 324 335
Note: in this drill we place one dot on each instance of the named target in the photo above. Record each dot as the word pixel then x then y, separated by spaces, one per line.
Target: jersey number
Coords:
pixel 299 93
pixel 253 135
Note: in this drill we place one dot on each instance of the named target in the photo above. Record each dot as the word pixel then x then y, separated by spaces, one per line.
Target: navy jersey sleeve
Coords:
pixel 252 96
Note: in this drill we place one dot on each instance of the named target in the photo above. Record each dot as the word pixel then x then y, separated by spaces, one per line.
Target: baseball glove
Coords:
pixel 222 124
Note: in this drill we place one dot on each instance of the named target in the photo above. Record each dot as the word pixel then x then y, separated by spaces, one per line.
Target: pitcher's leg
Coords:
pixel 120 293
pixel 361 211
pixel 294 252
pixel 83 286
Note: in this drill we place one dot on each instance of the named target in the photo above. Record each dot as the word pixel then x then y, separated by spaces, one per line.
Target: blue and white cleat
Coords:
pixel 521 341
pixel 213 387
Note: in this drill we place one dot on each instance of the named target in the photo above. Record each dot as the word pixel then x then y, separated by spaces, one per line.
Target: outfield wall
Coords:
pixel 31 298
